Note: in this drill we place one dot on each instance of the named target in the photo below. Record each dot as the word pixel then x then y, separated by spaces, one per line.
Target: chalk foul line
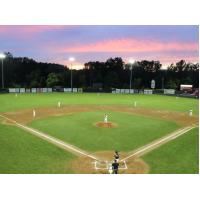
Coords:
pixel 155 144
pixel 53 140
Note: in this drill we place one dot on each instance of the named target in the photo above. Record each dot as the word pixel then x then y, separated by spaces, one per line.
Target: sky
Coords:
pixel 56 43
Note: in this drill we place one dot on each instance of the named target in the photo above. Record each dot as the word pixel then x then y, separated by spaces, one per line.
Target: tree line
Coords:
pixel 113 73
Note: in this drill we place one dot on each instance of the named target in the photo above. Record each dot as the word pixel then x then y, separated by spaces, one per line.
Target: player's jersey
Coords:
pixel 106 118
pixel 115 165
pixel 116 156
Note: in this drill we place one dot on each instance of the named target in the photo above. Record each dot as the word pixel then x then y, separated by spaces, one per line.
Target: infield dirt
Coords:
pixel 85 165
pixel 26 116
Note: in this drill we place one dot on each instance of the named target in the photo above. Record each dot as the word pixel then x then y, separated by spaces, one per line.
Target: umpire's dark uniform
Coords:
pixel 115 167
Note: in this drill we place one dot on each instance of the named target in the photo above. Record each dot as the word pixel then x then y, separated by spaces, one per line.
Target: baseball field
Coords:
pixel 153 133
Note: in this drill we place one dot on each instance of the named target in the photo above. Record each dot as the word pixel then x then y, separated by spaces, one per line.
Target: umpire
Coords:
pixel 115 166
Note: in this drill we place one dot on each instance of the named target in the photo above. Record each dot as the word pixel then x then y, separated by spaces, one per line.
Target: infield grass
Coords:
pixel 79 129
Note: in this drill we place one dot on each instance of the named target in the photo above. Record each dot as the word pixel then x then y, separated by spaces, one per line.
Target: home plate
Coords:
pixel 107 165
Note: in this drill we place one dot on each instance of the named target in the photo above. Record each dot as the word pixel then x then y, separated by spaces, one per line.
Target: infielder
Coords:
pixel 34 113
pixel 106 118
pixel 59 104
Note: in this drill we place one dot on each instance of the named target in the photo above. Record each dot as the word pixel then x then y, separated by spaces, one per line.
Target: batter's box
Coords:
pixel 99 165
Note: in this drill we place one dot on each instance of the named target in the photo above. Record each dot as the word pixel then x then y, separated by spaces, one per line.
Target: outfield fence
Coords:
pixel 131 91
pixel 43 90
pixel 168 92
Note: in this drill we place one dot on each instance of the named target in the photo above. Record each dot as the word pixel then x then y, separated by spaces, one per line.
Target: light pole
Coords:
pixel 2 56
pixel 131 61
pixel 162 82
pixel 71 60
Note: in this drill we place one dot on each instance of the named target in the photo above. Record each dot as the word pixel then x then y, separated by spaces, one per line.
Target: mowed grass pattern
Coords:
pixel 180 156
pixel 79 129
pixel 9 102
pixel 21 152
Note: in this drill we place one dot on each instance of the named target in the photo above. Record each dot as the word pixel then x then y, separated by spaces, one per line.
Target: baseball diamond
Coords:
pixel 74 138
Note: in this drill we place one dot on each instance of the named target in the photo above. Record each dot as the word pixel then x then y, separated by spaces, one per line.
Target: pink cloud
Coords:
pixel 26 31
pixel 173 59
pixel 165 52
pixel 39 28
pixel 130 45
pixel 28 28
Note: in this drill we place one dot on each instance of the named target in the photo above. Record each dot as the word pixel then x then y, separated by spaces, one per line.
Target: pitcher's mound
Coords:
pixel 106 125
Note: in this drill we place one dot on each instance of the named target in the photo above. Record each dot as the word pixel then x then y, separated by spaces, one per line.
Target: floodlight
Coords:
pixel 131 61
pixel 2 55
pixel 71 59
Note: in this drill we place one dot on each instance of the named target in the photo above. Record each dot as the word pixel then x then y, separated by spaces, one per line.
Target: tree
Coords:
pixel 111 80
pixel 115 64
pixel 137 83
pixel 52 80
pixel 26 72
pixel 33 79
pixel 8 55
pixel 150 66
pixel 171 84
pixel 34 84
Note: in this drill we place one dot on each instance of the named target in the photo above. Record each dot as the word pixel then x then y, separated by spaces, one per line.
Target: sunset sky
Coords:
pixel 168 44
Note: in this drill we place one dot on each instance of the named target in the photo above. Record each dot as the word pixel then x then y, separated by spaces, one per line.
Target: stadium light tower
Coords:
pixel 71 60
pixel 131 62
pixel 2 56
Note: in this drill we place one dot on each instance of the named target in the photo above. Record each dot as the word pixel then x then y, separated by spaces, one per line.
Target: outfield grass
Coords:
pixel 180 156
pixel 21 152
pixel 133 131
pixel 9 102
